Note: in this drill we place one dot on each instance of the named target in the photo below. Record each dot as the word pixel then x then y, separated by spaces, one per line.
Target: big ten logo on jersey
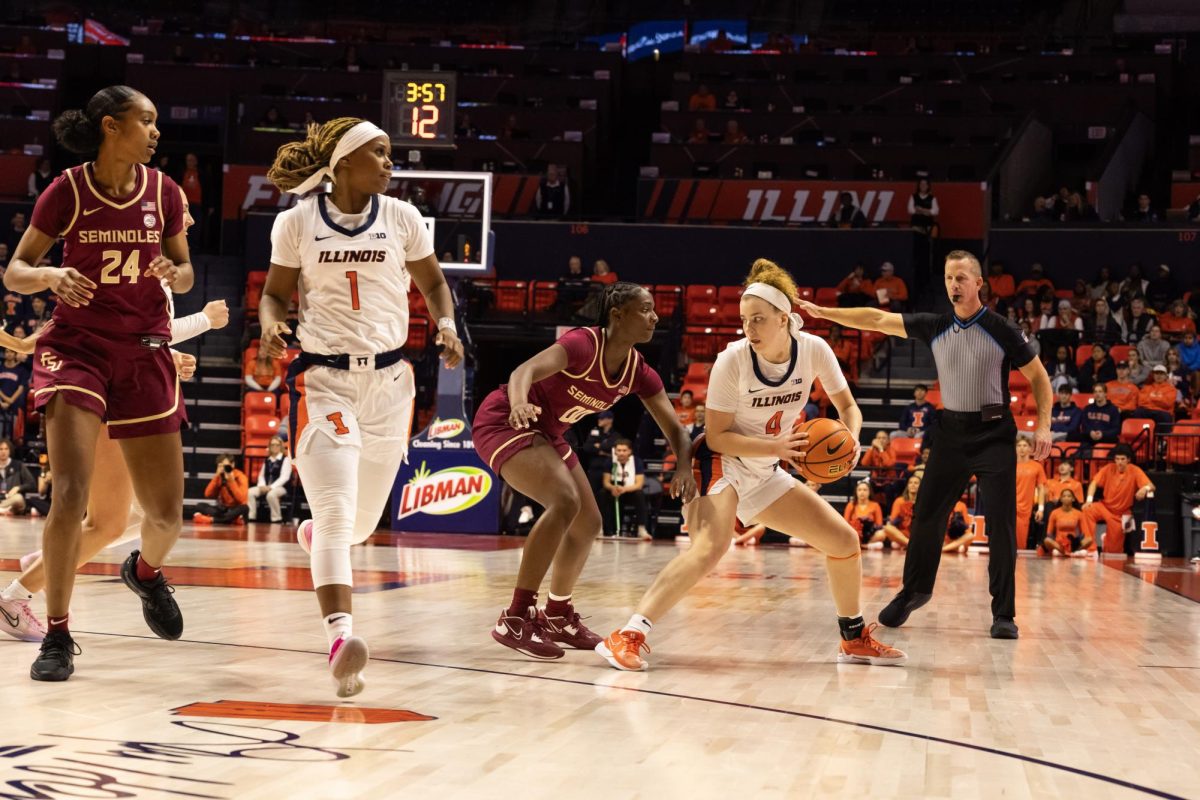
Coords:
pixel 377 235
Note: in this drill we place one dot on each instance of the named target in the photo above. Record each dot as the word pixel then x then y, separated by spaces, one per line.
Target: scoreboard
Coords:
pixel 418 108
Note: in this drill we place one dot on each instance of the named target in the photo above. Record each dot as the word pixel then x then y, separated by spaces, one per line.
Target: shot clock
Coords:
pixel 418 108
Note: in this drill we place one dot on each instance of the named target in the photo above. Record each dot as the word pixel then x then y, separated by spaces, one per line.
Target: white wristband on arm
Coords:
pixel 447 323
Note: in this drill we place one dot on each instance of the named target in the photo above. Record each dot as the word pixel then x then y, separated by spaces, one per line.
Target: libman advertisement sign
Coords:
pixel 445 487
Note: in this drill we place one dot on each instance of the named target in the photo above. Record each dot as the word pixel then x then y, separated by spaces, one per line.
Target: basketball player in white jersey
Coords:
pixel 756 393
pixel 353 254
pixel 113 514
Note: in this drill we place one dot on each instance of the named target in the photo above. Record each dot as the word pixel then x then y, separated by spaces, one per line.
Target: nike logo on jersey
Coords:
pixel 752 391
pixel 322 238
pixel 13 621
pixel 87 212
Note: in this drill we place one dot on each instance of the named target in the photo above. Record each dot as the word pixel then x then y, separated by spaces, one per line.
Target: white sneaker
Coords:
pixel 644 534
pixel 29 558
pixel 304 535
pixel 18 621
pixel 347 659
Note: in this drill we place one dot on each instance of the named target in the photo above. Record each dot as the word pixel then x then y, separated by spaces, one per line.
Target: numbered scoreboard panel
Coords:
pixel 418 108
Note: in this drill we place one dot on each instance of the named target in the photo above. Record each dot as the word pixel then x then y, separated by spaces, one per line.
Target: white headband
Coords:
pixel 351 140
pixel 778 299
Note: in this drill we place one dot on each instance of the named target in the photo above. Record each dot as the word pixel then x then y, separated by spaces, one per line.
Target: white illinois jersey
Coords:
pixel 353 275
pixel 767 399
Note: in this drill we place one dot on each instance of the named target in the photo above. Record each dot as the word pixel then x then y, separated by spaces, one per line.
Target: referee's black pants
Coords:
pixel 966 446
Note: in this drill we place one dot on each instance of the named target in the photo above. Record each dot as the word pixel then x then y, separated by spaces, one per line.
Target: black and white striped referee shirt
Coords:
pixel 973 356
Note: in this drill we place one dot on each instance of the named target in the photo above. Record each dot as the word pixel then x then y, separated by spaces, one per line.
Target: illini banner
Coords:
pixel 961 205
pixel 246 188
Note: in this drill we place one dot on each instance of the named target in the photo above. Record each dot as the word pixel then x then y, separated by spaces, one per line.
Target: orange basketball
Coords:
pixel 831 451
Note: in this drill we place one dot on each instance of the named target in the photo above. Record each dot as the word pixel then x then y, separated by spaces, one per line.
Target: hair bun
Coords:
pixel 75 132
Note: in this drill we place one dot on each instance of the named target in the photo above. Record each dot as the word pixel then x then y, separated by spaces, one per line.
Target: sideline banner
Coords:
pixel 961 205
pixel 245 187
pixel 445 487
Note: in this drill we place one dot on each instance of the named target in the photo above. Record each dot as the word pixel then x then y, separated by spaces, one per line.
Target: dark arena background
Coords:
pixel 551 149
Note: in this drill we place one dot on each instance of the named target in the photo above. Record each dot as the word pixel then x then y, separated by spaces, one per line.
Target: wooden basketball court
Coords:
pixel 1099 698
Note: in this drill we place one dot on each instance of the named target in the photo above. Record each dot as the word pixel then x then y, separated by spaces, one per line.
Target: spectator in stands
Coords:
pixel 1102 325
pixel 844 351
pixel 855 290
pixel 465 129
pixel 1001 283
pixel 700 133
pixel 1035 284
pixel 273 478
pixel 512 129
pixel 1189 358
pixel 601 273
pixel 266 373
pixel 1034 344
pixel 1064 533
pixel 1153 349
pixel 990 301
pixel 899 524
pixel 1177 321
pixel 1157 399
pixel 1137 320
pixel 1081 299
pixel 1043 211
pixel 16 229
pixel 1065 479
pixel 1046 313
pixel 350 60
pixel 38 503
pixel 1123 482
pixel 890 290
pixel 686 410
pixel 1078 210
pixel 880 459
pixel 16 480
pixel 553 199
pixel 14 383
pixel 847 214
pixel 272 118
pixel 1178 375
pixel 627 478
pixel 1102 419
pixel 865 515
pixel 1123 392
pixel 1066 319
pixel 1193 210
pixel 698 420
pixel 732 102
pixel 1161 289
pixel 923 207
pixel 1097 369
pixel 596 452
pixel 702 99
pixel 1065 418
pixel 1062 369
pixel 918 417
pixel 39 313
pixel 734 133
pixel 1143 211
pixel 41 178
pixel 1099 287
pixel 958 530
pixel 229 487
pixel 1139 373
pixel 3 257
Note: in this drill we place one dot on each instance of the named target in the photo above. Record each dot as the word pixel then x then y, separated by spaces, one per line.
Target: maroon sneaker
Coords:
pixel 569 631
pixel 526 635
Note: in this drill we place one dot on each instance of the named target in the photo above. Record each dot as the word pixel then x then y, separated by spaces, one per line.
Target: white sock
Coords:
pixel 338 625
pixel 16 591
pixel 638 623
pixel 565 598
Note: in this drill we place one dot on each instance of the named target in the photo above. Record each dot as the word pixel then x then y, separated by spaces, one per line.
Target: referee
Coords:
pixel 974 350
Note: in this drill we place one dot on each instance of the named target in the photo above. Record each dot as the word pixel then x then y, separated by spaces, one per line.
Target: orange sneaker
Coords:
pixel 623 649
pixel 202 519
pixel 865 650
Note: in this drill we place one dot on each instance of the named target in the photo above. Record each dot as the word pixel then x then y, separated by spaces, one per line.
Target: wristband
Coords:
pixel 1091 499
pixel 447 323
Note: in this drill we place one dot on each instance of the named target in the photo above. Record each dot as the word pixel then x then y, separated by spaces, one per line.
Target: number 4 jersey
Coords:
pixel 112 241
pixel 353 275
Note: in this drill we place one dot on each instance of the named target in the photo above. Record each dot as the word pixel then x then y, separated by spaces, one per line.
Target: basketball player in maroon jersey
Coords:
pixel 106 360
pixel 518 431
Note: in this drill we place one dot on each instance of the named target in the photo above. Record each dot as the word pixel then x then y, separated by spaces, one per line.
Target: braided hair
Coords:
pixel 616 295
pixel 78 130
pixel 295 162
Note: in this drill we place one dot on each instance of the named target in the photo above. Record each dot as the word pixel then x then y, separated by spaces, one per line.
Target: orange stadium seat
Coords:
pixel 826 296
pixel 258 404
pixel 805 293
pixel 729 294
pixel 667 298
pixel 1017 382
pixel 512 296
pixel 543 295
pixel 1081 399
pixel 907 450
pixel 698 372
pixel 701 294
pixel 1119 352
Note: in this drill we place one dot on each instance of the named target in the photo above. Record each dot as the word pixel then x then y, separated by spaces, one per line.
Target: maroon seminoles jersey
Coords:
pixel 112 241
pixel 582 388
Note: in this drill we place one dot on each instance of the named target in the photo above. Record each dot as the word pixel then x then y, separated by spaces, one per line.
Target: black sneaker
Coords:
pixel 1004 628
pixel 896 613
pixel 158 607
pixel 56 660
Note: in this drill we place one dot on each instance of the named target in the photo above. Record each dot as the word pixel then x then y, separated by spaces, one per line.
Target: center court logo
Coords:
pixel 447 491
pixel 446 428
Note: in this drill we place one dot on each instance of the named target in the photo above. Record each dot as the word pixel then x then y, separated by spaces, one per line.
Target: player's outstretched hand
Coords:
pixel 163 269
pixel 452 349
pixel 71 287
pixel 272 339
pixel 812 309
pixel 683 486
pixel 217 313
pixel 185 364
pixel 1041 444
pixel 523 414
pixel 792 447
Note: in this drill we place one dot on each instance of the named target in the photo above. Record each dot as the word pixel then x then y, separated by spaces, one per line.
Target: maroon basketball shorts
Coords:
pixel 496 441
pixel 129 385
